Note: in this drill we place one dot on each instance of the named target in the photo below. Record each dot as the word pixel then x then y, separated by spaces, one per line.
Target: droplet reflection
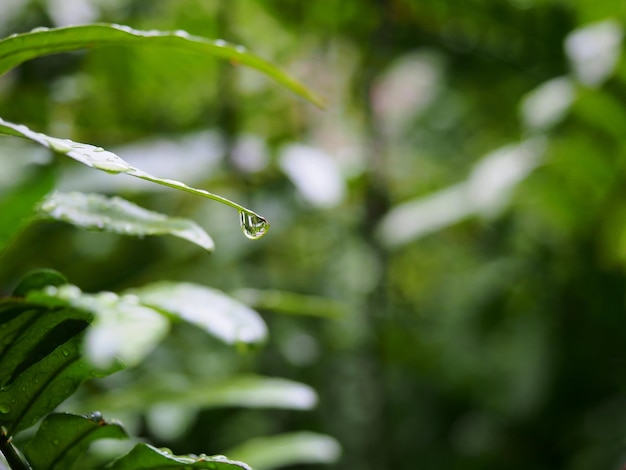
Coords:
pixel 253 226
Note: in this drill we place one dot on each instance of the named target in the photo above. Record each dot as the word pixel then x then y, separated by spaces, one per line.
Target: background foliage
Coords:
pixel 461 199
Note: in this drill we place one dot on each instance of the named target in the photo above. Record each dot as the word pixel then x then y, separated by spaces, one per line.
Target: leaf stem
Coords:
pixel 11 454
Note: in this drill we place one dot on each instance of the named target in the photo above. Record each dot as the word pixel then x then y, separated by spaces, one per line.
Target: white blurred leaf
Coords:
pixel 220 315
pixel 594 51
pixel 547 104
pixel 485 192
pixel 315 174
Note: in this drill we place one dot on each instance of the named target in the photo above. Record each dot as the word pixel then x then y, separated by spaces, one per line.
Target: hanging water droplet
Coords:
pixel 253 226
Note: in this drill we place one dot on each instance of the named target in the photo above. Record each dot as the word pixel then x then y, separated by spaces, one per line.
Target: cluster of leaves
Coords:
pixel 53 336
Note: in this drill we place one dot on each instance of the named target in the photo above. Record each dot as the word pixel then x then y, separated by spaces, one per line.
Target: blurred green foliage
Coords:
pixel 489 336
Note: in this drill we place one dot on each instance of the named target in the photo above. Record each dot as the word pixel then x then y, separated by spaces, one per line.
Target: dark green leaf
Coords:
pixel 19 48
pixel 97 212
pixel 39 389
pixel 62 438
pixel 146 457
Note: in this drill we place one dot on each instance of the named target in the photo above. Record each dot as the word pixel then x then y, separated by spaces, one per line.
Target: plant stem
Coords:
pixel 11 454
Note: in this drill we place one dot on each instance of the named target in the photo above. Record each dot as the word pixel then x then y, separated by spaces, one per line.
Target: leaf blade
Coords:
pixel 19 48
pixel 116 215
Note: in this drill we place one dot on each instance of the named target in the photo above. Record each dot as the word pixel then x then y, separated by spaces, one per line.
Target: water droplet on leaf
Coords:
pixel 65 352
pixel 253 226
pixel 56 442
pixel 5 408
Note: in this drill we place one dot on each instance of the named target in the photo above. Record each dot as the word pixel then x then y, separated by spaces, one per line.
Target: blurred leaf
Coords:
pixel 246 391
pixel 123 328
pixel 146 457
pixel 94 211
pixel 62 438
pixel 97 157
pixel 210 309
pixel 37 280
pixel 19 48
pixel 291 303
pixel 18 205
pixel 265 453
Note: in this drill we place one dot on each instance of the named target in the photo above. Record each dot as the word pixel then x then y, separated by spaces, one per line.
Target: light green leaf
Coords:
pixel 147 457
pixel 248 391
pixel 210 309
pixel 266 453
pixel 19 48
pixel 253 225
pixel 62 438
pixel 123 328
pixel 97 212
pixel 291 303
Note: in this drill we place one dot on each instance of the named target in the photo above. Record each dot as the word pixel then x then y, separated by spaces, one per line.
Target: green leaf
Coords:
pixel 122 328
pixel 30 332
pixel 19 48
pixel 62 438
pixel 291 303
pixel 146 457
pixel 18 205
pixel 253 225
pixel 40 388
pixel 266 453
pixel 97 212
pixel 37 280
pixel 248 391
pixel 210 309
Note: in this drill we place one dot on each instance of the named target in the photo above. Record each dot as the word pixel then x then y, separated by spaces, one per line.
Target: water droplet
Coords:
pixel 98 149
pixel 220 43
pixel 253 226
pixel 65 352
pixel 56 442
pixel 181 33
pixel 95 416
pixel 40 29
pixel 5 408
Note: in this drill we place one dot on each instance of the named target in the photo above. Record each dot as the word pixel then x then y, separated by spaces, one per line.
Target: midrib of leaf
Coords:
pixel 75 442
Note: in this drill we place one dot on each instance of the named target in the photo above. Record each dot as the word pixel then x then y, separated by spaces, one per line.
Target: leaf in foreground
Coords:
pixel 62 438
pixel 266 453
pixel 19 48
pixel 147 457
pixel 116 215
